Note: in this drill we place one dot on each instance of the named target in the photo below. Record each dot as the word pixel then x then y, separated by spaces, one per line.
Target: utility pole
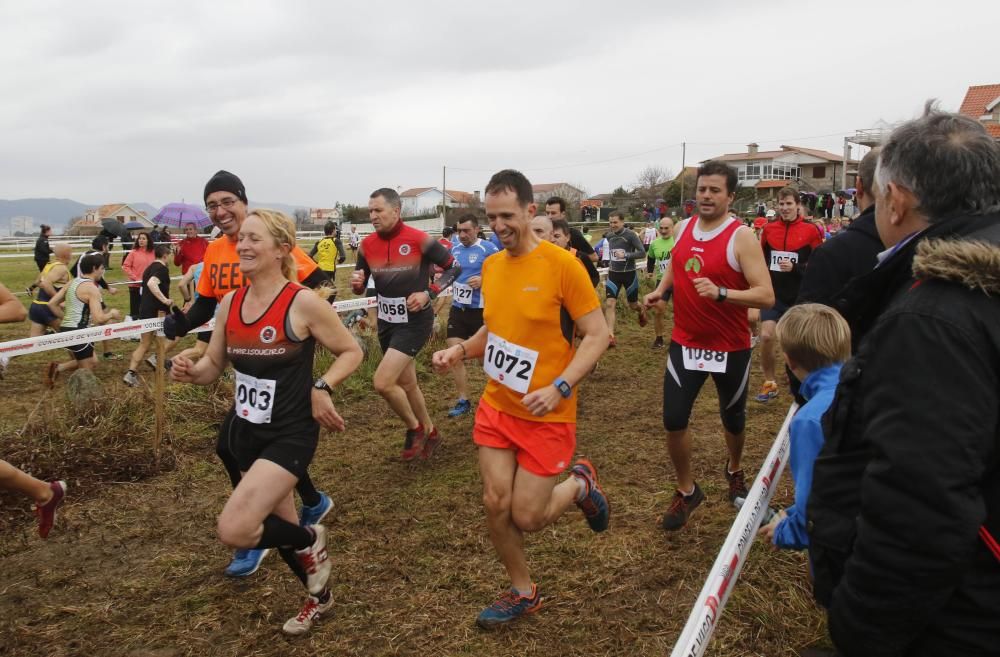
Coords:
pixel 444 195
pixel 684 147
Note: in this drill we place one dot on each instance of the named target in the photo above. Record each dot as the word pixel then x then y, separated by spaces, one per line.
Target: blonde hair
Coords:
pixel 282 229
pixel 814 336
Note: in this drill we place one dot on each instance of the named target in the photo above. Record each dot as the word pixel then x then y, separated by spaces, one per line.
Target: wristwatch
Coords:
pixel 563 386
pixel 321 384
pixel 723 292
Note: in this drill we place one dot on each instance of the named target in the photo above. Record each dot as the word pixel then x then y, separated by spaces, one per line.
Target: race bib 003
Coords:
pixel 392 309
pixel 509 364
pixel 704 360
pixel 254 398
pixel 778 257
pixel 463 293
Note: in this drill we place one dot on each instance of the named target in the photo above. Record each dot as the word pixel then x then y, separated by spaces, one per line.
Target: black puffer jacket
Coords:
pixel 911 465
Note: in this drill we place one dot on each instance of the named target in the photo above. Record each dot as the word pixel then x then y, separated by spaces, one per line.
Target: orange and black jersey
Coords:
pixel 789 241
pixel 273 366
pixel 401 260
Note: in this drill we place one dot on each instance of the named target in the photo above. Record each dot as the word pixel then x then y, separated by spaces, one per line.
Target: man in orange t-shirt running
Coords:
pixel 533 294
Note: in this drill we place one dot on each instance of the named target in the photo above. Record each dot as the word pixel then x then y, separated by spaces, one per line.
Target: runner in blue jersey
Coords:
pixel 466 316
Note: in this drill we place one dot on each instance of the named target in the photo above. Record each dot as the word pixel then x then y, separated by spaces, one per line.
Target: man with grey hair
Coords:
pixel 904 512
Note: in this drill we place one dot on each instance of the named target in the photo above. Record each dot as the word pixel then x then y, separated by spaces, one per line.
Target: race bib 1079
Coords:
pixel 778 257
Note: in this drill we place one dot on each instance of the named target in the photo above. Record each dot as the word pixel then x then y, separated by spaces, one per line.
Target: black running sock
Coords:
pixel 281 533
pixel 288 555
pixel 324 597
pixel 308 493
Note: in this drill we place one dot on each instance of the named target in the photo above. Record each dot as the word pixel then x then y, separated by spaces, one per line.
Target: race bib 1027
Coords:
pixel 509 364
pixel 462 293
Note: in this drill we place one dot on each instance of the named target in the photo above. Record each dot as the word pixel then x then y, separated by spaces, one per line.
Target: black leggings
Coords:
pixel 305 488
pixel 681 387
pixel 134 298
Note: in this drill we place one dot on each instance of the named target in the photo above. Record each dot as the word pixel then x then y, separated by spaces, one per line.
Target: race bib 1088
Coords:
pixel 704 360
pixel 509 364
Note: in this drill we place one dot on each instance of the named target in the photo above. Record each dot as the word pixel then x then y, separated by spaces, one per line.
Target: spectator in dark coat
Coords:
pixel 906 490
pixel 42 248
pixel 850 253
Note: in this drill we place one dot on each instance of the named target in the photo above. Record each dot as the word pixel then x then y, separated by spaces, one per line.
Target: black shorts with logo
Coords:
pixel 464 322
pixel 291 449
pixel 408 337
pixel 681 387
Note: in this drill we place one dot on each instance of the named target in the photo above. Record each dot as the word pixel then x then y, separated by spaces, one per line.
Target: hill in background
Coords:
pixel 60 212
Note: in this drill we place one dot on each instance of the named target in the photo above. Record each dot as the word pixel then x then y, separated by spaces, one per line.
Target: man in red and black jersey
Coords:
pixel 787 244
pixel 400 258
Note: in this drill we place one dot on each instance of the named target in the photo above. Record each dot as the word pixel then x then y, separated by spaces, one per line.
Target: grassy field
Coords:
pixel 133 568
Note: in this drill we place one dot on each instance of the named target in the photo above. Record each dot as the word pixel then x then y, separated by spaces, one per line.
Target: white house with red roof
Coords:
pixel 982 102
pixel 426 200
pixel 809 169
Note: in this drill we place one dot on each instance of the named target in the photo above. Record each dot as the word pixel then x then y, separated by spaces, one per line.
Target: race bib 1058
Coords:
pixel 392 309
pixel 509 364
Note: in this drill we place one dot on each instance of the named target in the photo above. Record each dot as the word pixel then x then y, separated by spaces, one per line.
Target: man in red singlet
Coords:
pixel 717 271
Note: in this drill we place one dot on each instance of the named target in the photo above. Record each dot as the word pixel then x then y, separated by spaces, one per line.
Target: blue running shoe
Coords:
pixel 311 515
pixel 245 562
pixel 461 408
pixel 594 504
pixel 510 606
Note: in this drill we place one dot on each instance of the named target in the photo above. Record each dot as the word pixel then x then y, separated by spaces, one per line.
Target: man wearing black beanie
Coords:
pixel 226 203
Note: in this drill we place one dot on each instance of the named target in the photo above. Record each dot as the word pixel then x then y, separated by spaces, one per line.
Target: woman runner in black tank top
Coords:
pixel 268 331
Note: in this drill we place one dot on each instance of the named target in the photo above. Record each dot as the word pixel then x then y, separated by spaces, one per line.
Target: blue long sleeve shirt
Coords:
pixel 806 436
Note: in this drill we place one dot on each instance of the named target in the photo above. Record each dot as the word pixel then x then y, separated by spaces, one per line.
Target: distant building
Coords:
pixel 91 222
pixel 24 225
pixel 983 104
pixel 427 200
pixel 807 169
pixel 572 195
pixel 319 216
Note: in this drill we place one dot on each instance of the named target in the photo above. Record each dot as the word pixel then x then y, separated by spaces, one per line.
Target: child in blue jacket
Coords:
pixel 816 341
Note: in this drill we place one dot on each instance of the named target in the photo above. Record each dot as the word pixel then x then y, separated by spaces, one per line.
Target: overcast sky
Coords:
pixel 316 102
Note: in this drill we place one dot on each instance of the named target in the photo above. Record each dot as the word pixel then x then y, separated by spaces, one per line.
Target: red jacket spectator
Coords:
pixel 190 250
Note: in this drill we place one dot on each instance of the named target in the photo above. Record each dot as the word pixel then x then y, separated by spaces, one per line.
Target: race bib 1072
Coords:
pixel 509 364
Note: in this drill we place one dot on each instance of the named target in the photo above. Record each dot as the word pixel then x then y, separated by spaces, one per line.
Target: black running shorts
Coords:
pixel 464 322
pixel 681 387
pixel 408 338
pixel 622 280
pixel 292 450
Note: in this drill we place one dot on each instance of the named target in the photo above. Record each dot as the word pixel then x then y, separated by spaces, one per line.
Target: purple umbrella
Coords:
pixel 180 214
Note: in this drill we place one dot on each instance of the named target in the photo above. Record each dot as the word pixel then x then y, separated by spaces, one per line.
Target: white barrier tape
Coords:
pixel 129 330
pixel 726 569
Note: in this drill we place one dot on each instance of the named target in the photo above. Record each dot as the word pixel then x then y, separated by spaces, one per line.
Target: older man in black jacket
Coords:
pixel 906 491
